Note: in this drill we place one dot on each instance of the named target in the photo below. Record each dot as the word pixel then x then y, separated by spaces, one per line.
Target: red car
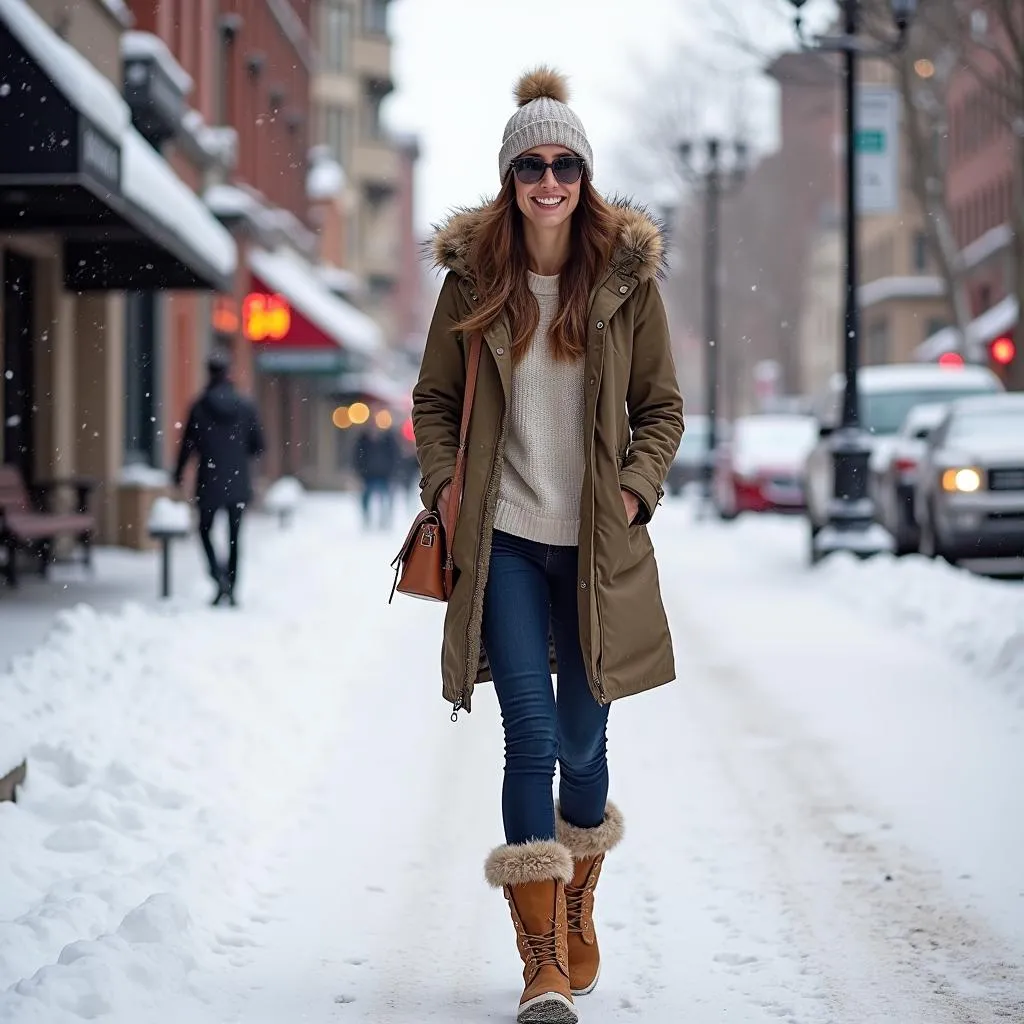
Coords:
pixel 761 468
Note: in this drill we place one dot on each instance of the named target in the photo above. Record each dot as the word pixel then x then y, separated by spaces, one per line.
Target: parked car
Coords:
pixel 969 499
pixel 692 459
pixel 894 474
pixel 759 469
pixel 887 394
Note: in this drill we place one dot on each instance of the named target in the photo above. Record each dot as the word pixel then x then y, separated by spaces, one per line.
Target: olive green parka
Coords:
pixel 634 422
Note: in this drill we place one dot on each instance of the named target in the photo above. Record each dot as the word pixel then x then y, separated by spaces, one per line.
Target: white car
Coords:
pixel 887 394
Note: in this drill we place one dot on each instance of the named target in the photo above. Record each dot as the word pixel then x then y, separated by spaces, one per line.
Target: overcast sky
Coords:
pixel 637 68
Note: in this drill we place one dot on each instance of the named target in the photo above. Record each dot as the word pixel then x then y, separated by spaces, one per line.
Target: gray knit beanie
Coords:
pixel 543 119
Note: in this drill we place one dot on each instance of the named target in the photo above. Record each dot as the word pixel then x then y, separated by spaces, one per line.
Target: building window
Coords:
pixel 920 254
pixel 336 133
pixel 375 16
pixel 372 127
pixel 335 33
pixel 140 379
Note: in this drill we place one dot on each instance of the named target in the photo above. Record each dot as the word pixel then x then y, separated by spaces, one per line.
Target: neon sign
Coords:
pixel 266 317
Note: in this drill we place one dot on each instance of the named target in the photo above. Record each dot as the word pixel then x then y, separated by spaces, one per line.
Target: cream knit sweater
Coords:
pixel 542 476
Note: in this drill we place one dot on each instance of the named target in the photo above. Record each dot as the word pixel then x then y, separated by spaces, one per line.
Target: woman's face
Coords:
pixel 548 203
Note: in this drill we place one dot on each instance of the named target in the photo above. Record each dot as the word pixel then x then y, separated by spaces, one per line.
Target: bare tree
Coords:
pixel 934 47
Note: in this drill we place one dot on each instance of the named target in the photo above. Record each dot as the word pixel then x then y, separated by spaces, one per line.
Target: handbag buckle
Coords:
pixel 427 537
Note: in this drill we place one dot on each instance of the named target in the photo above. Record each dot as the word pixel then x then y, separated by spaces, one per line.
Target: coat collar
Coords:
pixel 639 250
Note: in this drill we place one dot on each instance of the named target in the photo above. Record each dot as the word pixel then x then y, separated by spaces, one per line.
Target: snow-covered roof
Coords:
pixel 996 320
pixel 884 289
pixel 87 88
pixel 145 45
pixel 288 272
pixel 901 376
pixel 148 180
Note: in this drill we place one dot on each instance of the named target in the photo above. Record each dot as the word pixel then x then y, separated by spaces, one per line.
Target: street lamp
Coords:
pixel 719 170
pixel 851 512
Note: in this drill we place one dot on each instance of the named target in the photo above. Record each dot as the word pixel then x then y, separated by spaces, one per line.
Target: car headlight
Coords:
pixel 965 480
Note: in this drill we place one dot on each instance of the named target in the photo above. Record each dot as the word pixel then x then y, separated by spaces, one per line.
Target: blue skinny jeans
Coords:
pixel 531 594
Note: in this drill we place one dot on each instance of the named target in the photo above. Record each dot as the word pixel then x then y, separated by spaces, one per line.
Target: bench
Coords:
pixel 28 524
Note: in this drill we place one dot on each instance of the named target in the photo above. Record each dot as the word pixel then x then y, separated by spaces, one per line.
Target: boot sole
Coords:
pixel 550 1008
pixel 590 988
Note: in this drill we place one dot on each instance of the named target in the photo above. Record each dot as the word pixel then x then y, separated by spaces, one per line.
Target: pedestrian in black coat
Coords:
pixel 377 462
pixel 224 434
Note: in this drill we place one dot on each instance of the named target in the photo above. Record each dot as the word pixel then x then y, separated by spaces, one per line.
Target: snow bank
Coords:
pixel 167 752
pixel 978 621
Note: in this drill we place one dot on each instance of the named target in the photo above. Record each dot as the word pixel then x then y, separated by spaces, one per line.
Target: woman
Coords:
pixel 576 420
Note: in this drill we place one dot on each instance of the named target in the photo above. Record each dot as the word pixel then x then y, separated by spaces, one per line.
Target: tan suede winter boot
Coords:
pixel 533 877
pixel 588 847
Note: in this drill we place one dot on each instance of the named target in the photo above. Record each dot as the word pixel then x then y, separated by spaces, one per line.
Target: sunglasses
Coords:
pixel 530 169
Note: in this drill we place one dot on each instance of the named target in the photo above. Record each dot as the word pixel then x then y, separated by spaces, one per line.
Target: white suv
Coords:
pixel 887 394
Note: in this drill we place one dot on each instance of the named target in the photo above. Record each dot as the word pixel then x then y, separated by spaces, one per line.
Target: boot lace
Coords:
pixel 574 906
pixel 543 948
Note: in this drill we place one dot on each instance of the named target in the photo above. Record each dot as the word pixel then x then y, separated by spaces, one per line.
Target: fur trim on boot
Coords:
pixel 521 863
pixel 591 842
pixel 533 877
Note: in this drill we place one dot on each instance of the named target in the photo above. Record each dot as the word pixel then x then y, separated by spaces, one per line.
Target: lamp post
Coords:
pixel 851 510
pixel 718 169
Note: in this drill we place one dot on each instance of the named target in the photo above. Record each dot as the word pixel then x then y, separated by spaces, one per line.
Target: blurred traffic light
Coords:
pixel 1003 350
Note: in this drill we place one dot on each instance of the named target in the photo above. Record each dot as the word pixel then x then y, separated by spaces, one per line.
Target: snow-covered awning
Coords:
pixel 887 289
pixel 85 88
pixel 72 163
pixel 293 276
pixel 150 183
pixel 997 320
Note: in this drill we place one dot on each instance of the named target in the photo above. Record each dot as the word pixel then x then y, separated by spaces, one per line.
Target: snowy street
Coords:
pixel 266 815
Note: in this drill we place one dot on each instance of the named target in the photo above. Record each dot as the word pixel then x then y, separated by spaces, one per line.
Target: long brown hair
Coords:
pixel 498 258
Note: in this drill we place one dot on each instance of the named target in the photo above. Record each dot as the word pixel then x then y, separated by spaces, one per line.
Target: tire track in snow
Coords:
pixel 890 943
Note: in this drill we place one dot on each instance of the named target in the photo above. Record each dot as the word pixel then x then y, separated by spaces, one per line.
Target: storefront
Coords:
pixel 89 211
pixel 302 336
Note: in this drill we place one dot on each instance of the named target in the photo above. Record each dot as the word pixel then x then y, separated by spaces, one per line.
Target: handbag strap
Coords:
pixel 458 485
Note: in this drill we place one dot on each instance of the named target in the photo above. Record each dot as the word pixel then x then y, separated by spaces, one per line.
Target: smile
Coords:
pixel 548 200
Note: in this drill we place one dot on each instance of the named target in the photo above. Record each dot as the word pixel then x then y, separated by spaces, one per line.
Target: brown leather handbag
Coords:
pixel 423 566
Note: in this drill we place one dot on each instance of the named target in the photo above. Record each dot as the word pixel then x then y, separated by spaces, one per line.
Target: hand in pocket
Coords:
pixel 632 505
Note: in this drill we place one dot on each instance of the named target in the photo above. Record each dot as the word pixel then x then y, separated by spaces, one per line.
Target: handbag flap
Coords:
pixel 410 539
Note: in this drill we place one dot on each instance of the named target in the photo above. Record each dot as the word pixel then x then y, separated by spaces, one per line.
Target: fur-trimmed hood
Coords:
pixel 640 248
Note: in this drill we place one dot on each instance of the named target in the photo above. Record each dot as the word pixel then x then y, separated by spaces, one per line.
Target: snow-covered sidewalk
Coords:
pixel 266 815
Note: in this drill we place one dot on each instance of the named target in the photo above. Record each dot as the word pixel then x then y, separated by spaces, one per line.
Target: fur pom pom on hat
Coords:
pixel 543 119
pixel 541 82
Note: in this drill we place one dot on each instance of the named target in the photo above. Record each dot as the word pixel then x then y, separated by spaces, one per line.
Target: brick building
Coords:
pixel 985 181
pixel 109 258
pixel 252 65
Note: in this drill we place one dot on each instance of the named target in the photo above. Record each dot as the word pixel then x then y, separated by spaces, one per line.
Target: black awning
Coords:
pixel 61 172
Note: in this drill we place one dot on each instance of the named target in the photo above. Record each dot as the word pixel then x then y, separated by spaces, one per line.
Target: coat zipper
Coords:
pixel 488 517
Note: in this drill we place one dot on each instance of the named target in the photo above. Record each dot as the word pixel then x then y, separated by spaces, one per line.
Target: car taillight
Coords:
pixel 905 465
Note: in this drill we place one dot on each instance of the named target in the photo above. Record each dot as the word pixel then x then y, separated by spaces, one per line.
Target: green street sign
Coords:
pixel 870 141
